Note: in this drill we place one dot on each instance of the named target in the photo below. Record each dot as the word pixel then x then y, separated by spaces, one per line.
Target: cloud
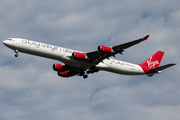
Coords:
pixel 30 89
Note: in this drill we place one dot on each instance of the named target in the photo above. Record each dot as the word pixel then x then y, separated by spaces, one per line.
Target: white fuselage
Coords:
pixel 64 55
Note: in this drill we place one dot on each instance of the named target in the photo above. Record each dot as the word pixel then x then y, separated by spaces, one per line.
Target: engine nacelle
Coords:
pixel 59 67
pixel 105 49
pixel 80 56
pixel 64 74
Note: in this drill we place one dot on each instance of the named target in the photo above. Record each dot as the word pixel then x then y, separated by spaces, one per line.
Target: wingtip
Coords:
pixel 146 37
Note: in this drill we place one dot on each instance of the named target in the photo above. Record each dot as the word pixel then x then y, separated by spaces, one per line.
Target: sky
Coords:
pixel 31 90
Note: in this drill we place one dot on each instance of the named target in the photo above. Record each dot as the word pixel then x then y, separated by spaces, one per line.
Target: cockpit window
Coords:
pixel 10 39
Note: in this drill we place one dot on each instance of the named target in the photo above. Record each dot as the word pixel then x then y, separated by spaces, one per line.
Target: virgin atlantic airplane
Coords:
pixel 84 63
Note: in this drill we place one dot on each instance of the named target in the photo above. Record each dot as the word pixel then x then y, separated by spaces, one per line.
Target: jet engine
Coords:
pixel 105 49
pixel 59 67
pixel 64 74
pixel 80 56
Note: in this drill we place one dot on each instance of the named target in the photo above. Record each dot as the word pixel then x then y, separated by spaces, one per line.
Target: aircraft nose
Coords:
pixel 4 42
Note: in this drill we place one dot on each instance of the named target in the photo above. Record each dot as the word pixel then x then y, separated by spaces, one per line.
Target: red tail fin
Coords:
pixel 153 62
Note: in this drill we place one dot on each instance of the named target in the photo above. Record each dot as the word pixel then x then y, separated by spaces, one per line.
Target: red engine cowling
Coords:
pixel 105 49
pixel 81 56
pixel 64 74
pixel 59 67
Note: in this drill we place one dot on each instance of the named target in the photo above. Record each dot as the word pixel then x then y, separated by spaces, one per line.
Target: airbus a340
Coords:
pixel 84 63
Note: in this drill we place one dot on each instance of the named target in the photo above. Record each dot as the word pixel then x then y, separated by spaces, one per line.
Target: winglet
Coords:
pixel 146 37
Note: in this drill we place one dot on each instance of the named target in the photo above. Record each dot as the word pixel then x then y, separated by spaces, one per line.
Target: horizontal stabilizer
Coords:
pixel 161 67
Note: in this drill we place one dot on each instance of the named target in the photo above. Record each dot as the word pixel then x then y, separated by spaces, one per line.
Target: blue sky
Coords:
pixel 30 89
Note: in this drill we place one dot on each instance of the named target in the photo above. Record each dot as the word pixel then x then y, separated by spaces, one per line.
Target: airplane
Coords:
pixel 84 63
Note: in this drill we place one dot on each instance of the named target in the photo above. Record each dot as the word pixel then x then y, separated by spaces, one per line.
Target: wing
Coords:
pixel 98 56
